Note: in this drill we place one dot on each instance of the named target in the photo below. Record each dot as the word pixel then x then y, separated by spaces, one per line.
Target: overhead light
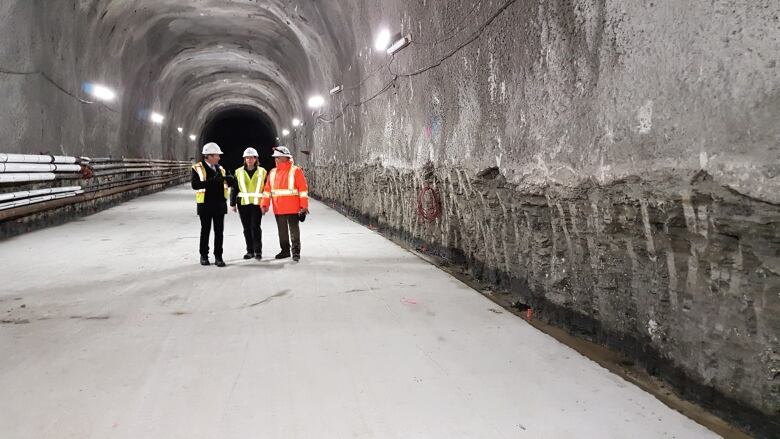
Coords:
pixel 336 89
pixel 316 101
pixel 399 44
pixel 296 122
pixel 193 137
pixel 99 91
pixel 383 40
pixel 157 118
pixel 285 132
pixel 180 129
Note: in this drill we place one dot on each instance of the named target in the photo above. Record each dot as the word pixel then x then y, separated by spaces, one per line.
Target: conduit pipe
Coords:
pixel 28 177
pixel 27 158
pixel 37 167
pixel 37 192
pixel 23 211
pixel 41 199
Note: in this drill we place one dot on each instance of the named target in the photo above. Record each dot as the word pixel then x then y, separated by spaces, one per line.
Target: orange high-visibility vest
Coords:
pixel 286 186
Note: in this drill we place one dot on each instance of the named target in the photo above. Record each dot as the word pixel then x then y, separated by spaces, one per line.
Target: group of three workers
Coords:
pixel 251 191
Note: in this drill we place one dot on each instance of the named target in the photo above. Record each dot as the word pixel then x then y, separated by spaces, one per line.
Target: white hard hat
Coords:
pixel 251 152
pixel 211 148
pixel 281 151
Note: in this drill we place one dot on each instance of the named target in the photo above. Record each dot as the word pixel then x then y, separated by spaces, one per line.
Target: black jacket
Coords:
pixel 215 192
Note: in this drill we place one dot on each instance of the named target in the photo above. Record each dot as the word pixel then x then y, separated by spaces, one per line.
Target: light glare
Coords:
pixel 296 122
pixel 193 137
pixel 157 118
pixel 382 40
pixel 101 92
pixel 316 101
pixel 285 132
pixel 180 129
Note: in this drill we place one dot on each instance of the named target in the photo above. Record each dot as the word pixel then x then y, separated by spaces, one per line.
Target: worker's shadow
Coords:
pixel 263 265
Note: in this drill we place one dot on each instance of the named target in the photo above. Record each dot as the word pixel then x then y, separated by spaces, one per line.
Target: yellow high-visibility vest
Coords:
pixel 200 194
pixel 250 190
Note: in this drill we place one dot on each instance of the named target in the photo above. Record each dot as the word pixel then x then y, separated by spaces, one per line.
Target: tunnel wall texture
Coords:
pixel 612 163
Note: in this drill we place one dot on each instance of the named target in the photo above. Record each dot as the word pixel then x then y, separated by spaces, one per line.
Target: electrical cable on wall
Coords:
pixel 56 85
pixel 474 36
pixel 478 33
pixel 452 34
pixel 428 204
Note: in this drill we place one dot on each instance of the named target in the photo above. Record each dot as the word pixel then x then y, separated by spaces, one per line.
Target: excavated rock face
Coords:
pixel 186 60
pixel 612 164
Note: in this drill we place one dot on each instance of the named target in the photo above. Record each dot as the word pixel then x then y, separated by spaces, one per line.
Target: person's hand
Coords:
pixel 234 209
pixel 264 209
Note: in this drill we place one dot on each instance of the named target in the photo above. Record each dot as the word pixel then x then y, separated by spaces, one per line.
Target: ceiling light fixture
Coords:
pixel 193 137
pixel 296 122
pixel 316 101
pixel 285 132
pixel 157 118
pixel 383 40
pixel 101 92
pixel 399 44
pixel 337 89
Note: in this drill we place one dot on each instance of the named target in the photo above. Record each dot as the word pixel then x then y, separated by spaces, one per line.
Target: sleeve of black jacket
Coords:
pixel 233 191
pixel 196 183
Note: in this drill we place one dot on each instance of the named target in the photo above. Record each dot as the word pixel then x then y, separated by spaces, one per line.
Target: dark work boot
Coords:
pixel 258 256
pixel 296 258
pixel 249 255
pixel 283 255
pixel 219 262
pixel 204 260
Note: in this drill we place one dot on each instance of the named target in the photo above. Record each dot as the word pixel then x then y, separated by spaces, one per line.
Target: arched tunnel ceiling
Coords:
pixel 188 59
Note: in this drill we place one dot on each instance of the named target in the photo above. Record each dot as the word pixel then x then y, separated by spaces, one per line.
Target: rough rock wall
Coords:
pixel 612 163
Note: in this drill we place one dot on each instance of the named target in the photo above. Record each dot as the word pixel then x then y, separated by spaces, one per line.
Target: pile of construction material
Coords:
pixel 31 184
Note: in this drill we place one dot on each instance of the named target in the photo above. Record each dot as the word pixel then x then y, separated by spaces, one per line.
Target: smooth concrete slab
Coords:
pixel 113 330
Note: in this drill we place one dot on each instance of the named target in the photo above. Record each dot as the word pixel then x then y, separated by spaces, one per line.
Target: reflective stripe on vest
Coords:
pixel 200 194
pixel 290 191
pixel 250 189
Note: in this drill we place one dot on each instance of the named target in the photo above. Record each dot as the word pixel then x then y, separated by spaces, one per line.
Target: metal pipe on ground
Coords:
pixel 27 177
pixel 37 192
pixel 40 199
pixel 37 167
pixel 38 158
pixel 19 212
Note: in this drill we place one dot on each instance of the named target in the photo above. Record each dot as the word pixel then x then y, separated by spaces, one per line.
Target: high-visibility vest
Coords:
pixel 290 190
pixel 250 190
pixel 200 194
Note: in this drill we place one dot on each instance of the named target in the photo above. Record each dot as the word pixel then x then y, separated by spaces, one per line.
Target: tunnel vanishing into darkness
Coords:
pixel 236 129
pixel 610 167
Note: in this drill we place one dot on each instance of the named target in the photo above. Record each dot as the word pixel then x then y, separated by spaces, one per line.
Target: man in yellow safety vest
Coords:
pixel 246 198
pixel 211 193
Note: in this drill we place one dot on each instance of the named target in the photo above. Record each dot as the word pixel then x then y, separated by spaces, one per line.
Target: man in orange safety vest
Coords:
pixel 286 187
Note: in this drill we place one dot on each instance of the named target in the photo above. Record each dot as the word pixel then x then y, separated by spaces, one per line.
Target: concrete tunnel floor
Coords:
pixel 111 329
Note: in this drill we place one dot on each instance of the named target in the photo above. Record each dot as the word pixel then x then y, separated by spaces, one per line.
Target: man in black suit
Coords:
pixel 210 182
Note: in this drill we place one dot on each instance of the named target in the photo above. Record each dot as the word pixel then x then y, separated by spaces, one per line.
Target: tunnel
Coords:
pixel 237 129
pixel 497 218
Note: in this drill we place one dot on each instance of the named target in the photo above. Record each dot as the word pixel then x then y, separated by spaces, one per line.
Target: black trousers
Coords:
pixel 206 218
pixel 288 226
pixel 251 217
